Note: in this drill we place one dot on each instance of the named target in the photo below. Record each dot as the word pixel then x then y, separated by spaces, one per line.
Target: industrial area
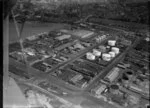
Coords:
pixel 91 63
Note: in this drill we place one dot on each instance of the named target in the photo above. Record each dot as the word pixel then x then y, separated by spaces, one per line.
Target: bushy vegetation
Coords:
pixel 72 12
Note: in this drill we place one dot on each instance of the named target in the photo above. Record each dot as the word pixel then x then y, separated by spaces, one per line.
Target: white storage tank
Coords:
pixel 106 57
pixel 112 54
pixel 90 56
pixel 115 49
pixel 96 52
pixel 111 42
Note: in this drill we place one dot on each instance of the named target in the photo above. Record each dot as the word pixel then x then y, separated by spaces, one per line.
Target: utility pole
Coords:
pixel 12 95
pixel 5 52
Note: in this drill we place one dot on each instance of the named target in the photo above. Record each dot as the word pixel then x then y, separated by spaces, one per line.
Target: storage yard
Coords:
pixel 97 61
pixel 103 66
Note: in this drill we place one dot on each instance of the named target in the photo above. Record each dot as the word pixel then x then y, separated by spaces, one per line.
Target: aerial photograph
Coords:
pixel 76 54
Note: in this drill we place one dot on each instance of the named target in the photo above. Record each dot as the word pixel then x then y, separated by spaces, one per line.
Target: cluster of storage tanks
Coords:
pixel 101 52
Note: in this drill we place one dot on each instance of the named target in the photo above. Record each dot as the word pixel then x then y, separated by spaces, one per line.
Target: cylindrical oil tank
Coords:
pixel 129 74
pixel 115 49
pixel 112 54
pixel 96 52
pixel 106 57
pixel 90 56
pixel 114 89
pixel 111 42
pixel 125 80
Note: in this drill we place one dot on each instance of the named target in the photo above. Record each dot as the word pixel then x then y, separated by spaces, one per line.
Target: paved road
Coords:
pixel 71 89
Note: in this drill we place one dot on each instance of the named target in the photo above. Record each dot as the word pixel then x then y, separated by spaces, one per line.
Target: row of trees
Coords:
pixel 75 11
pixel 131 12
